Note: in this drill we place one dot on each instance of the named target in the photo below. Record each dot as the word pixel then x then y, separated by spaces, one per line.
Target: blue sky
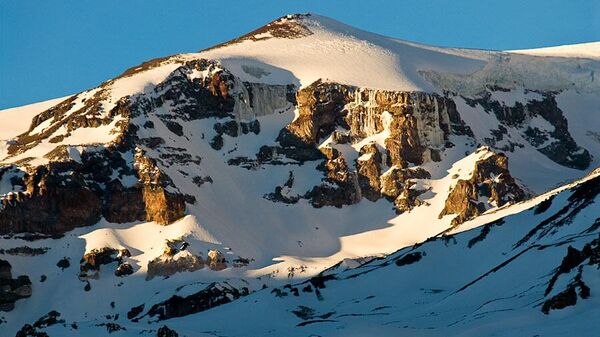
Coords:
pixel 53 48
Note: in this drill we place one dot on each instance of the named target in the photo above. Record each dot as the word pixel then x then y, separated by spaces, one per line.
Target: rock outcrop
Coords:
pixel 540 122
pixel 368 166
pixel 340 186
pixel 216 260
pixel 12 289
pixel 60 196
pixel 212 296
pixel 415 127
pixel 418 124
pixel 490 185
pixel 92 261
pixel 165 331
pixel 174 259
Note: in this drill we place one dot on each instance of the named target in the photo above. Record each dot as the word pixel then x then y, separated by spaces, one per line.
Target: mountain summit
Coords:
pixel 308 178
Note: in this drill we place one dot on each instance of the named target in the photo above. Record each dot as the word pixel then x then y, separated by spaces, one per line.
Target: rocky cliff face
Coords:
pixel 60 196
pixel 490 185
pixel 123 180
pixel 340 186
pixel 539 121
pixel 418 124
pixel 415 128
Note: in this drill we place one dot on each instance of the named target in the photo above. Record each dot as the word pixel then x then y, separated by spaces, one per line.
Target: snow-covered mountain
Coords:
pixel 308 178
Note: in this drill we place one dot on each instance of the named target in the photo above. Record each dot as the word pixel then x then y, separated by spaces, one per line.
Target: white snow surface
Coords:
pixel 344 54
pixel 15 121
pixel 582 50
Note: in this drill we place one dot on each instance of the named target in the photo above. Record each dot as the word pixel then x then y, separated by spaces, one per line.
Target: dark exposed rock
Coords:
pixel 250 127
pixel 123 204
pixel 212 296
pixel 320 108
pixel 582 196
pixel 24 251
pixel 165 331
pixel 240 262
pixel 562 148
pixel 340 186
pixel 85 116
pixel 160 205
pixel 278 194
pixel 90 262
pixel 191 99
pixel 175 127
pixel 485 230
pixel 112 327
pixel 29 331
pixel 54 205
pixel 278 155
pixel 133 312
pixel 567 297
pixel 369 169
pixel 51 318
pixel 217 142
pixel 12 290
pixel 417 122
pixel 318 282
pixel 394 181
pixel 63 263
pixel 229 128
pixel 60 197
pixel 397 186
pixel 543 206
pixel 199 181
pixel 574 259
pixel 409 258
pixel 490 180
pixel 415 119
pixel 152 142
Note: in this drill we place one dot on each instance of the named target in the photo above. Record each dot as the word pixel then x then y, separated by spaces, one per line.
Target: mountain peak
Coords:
pixel 288 26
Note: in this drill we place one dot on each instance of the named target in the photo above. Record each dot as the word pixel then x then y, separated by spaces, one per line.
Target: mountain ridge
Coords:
pixel 205 177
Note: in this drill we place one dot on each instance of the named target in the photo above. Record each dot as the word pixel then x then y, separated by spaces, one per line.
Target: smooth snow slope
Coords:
pixel 488 281
pixel 14 121
pixel 583 50
pixel 341 53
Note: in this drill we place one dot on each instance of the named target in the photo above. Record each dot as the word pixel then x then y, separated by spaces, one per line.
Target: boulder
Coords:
pixel 12 289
